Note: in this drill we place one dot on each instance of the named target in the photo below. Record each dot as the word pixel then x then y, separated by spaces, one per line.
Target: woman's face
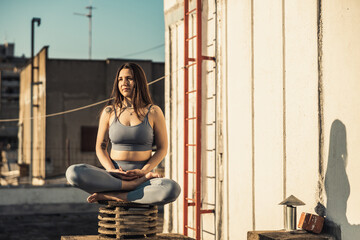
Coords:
pixel 126 83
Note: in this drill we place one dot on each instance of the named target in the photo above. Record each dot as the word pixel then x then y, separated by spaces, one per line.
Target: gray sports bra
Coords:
pixel 131 138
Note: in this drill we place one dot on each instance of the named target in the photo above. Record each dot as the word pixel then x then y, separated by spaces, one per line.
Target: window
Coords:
pixel 88 138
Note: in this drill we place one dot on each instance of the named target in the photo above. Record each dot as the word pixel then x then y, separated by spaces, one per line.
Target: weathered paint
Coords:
pixel 341 87
pixel 39 109
pixel 290 119
pixel 301 111
pixel 239 107
pixel 174 97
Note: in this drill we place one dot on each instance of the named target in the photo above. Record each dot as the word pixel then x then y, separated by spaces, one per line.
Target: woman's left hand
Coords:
pixel 119 173
pixel 135 172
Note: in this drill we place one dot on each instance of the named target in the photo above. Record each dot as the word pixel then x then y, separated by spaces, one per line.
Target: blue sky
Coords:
pixel 119 28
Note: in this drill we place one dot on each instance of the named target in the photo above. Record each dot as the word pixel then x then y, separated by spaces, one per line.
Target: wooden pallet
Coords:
pixel 124 220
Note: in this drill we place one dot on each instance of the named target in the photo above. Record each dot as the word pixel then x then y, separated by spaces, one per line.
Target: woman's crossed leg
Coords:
pixel 149 189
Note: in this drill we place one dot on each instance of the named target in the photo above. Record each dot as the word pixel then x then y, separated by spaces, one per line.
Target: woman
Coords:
pixel 131 122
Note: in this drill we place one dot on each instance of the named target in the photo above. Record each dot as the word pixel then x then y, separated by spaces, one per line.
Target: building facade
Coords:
pixel 279 110
pixel 61 85
pixel 10 67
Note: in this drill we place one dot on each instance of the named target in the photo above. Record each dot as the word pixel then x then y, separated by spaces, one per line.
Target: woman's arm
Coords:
pixel 102 139
pixel 161 140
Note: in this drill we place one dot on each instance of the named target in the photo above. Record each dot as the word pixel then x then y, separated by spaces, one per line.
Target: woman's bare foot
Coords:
pixel 111 196
pixel 151 175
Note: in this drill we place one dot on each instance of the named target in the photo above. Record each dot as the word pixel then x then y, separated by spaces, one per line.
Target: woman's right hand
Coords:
pixel 120 173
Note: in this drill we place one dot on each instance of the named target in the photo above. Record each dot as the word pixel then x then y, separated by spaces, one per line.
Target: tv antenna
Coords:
pixel 89 15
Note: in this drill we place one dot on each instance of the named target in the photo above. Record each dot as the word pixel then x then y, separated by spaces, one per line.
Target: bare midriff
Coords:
pixel 130 155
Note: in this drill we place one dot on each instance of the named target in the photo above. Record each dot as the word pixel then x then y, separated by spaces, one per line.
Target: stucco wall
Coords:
pixel 71 84
pixel 39 110
pixel 239 137
pixel 174 108
pixel 275 79
pixel 175 122
pixel 290 73
pixel 341 87
pixel 24 114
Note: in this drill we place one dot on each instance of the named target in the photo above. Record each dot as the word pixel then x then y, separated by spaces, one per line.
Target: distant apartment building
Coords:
pixel 64 84
pixel 7 50
pixel 10 67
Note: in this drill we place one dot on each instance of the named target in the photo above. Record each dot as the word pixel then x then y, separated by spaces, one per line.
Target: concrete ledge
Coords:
pixel 283 235
pixel 158 236
pixel 51 194
pixel 32 209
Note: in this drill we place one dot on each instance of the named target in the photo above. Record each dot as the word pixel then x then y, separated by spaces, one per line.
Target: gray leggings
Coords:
pixel 92 179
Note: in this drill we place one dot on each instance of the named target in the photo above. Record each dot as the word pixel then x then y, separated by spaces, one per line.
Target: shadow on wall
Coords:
pixel 337 186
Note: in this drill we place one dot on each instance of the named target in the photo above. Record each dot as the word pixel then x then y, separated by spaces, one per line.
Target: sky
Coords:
pixel 120 28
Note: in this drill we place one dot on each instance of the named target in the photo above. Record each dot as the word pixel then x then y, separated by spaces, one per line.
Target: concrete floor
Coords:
pixel 48 212
pixel 47 226
pixel 50 226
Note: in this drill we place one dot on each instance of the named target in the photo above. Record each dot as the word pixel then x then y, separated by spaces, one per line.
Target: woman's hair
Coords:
pixel 141 95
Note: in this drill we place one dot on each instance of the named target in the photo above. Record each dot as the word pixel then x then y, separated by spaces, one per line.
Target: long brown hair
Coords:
pixel 141 95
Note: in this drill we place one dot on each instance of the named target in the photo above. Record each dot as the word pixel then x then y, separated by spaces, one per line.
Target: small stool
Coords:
pixel 126 220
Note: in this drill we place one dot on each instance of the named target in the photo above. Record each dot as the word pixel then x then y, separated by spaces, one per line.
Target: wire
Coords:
pixel 156 80
pixel 143 51
pixel 83 107
pixel 58 113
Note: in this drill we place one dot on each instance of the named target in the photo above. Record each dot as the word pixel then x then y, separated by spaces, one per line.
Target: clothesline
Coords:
pixel 83 107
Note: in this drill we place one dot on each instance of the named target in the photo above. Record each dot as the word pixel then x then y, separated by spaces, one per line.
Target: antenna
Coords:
pixel 89 15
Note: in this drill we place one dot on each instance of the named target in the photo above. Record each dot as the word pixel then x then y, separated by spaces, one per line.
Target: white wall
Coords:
pixel 290 117
pixel 268 113
pixel 239 118
pixel 302 137
pixel 174 120
pixel 341 75
pixel 174 98
pixel 280 63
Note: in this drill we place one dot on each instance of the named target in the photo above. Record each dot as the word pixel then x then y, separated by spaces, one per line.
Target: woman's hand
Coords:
pixel 136 172
pixel 124 175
